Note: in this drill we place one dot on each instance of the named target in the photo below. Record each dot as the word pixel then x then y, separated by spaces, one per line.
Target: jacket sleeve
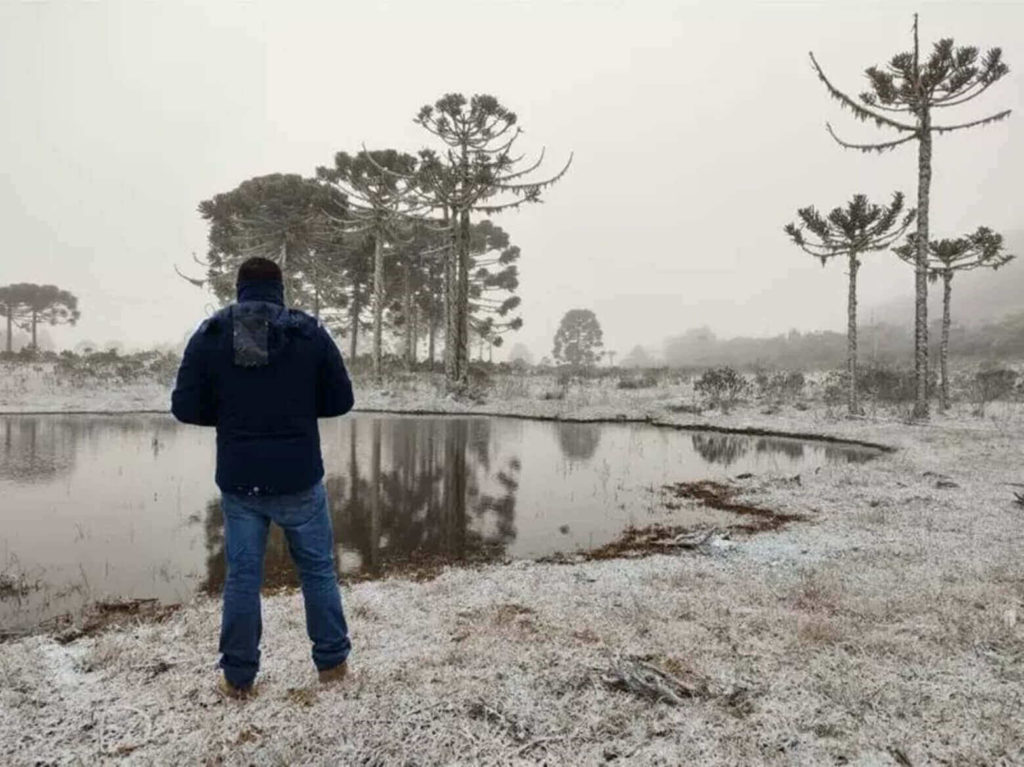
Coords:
pixel 333 388
pixel 194 399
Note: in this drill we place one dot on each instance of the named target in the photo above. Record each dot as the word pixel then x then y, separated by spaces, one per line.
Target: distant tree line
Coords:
pixel 819 350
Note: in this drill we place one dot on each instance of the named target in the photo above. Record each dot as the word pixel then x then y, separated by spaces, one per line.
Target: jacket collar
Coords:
pixel 271 292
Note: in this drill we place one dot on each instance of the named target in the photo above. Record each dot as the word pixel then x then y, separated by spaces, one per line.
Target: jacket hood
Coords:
pixel 269 291
pixel 260 324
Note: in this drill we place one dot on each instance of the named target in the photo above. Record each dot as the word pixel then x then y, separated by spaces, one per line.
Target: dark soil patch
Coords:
pixel 101 616
pixel 636 541
pixel 715 495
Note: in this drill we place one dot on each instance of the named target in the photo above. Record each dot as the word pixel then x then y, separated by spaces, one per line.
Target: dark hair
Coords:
pixel 259 270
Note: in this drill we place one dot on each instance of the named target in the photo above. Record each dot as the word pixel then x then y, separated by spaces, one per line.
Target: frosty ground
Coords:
pixel 883 629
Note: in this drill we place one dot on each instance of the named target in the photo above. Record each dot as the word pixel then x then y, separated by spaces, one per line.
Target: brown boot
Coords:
pixel 228 690
pixel 334 674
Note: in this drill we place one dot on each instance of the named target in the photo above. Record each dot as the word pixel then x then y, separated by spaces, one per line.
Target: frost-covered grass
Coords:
pixel 883 630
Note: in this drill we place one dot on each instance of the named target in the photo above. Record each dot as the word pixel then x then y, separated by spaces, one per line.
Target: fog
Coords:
pixel 698 130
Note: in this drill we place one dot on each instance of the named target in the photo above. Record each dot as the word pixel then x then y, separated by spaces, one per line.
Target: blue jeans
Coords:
pixel 307 526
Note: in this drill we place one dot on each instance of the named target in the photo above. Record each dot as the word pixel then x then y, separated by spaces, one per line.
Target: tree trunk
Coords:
pixel 414 311
pixel 10 336
pixel 432 321
pixel 451 358
pixel 947 293
pixel 853 404
pixel 462 296
pixel 924 181
pixel 378 306
pixel 353 314
pixel 35 317
pixel 407 311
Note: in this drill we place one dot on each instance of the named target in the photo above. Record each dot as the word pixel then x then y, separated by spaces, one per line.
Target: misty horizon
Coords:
pixel 122 118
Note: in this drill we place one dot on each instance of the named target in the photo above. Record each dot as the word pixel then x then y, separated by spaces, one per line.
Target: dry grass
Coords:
pixel 883 628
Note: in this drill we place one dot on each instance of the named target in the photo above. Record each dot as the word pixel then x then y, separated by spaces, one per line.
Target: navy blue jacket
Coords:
pixel 262 374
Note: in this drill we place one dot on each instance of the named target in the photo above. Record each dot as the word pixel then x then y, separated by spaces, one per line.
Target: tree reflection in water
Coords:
pixel 848 454
pixel 793 450
pixel 725 449
pixel 409 492
pixel 36 449
pixel 578 441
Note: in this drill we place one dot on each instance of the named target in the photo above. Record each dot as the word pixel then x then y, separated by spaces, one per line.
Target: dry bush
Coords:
pixel 817 591
pixel 991 384
pixel 780 387
pixel 509 387
pixel 816 629
pixel 721 387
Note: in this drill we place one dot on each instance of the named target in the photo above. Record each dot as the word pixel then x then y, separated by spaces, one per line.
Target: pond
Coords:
pixel 110 507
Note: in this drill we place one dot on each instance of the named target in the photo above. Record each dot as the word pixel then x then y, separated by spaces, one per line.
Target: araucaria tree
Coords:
pixel 578 341
pixel 476 172
pixel 903 97
pixel 850 232
pixel 26 305
pixel 282 217
pixel 982 249
pixel 377 186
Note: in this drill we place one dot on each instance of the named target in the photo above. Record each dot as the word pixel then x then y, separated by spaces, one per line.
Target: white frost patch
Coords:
pixel 63 663
pixel 883 629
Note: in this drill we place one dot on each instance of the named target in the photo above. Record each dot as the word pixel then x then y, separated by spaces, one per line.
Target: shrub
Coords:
pixel 165 367
pixel 721 386
pixel 886 385
pixel 834 387
pixel 565 377
pixel 477 386
pixel 892 385
pixel 993 384
pixel 780 387
pixel 644 381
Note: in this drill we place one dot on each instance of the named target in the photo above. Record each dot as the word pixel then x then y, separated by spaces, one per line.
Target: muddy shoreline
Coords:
pixel 600 420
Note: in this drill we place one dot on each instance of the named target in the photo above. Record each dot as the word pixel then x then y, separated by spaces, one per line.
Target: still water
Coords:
pixel 106 507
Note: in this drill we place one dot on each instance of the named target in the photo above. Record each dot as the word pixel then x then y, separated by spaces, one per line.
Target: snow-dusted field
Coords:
pixel 884 630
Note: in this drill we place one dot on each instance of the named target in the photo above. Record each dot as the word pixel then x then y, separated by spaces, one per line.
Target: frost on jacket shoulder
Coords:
pixel 259 331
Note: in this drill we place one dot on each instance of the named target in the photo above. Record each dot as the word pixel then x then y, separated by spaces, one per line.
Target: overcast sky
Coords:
pixel 698 130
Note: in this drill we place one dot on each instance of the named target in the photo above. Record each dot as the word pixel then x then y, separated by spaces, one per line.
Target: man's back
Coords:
pixel 262 374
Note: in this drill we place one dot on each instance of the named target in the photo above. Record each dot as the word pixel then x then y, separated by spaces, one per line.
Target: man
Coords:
pixel 262 374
